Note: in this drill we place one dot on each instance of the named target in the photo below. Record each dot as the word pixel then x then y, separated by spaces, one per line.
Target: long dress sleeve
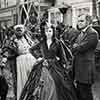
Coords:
pixel 60 53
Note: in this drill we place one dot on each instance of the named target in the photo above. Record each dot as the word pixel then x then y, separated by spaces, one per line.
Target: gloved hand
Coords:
pixel 3 62
pixel 45 63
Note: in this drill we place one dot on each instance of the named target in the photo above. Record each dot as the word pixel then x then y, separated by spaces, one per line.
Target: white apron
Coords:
pixel 25 62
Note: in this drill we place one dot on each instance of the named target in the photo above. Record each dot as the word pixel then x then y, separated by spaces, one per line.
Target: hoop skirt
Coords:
pixel 25 62
pixel 47 82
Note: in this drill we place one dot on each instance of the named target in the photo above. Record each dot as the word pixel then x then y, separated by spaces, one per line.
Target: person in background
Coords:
pixel 96 26
pixel 59 30
pixel 24 60
pixel 3 82
pixel 10 52
pixel 70 35
pixel 84 57
pixel 9 66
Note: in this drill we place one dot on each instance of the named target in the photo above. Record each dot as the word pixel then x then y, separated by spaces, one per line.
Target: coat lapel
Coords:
pixel 84 37
pixel 85 34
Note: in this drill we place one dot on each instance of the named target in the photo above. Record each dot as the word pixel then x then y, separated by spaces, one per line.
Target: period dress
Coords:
pixel 24 63
pixel 51 84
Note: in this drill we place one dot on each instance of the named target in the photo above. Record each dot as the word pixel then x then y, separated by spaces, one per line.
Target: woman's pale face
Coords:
pixel 49 33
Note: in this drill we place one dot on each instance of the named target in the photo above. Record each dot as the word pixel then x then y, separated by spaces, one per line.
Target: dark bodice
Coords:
pixel 53 52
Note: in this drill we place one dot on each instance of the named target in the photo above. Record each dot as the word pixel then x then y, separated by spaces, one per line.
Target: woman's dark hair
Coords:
pixel 60 29
pixel 54 33
pixel 78 27
pixel 43 32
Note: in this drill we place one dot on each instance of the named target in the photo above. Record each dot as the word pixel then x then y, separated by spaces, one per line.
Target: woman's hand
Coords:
pixel 3 62
pixel 39 59
pixel 75 45
pixel 15 40
pixel 45 63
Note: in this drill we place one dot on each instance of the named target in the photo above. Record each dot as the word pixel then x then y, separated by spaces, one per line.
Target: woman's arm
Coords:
pixel 60 53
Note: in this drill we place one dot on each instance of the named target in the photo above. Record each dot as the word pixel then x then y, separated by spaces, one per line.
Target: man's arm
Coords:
pixel 89 43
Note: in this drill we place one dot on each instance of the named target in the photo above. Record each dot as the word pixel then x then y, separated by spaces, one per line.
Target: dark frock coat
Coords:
pixel 84 59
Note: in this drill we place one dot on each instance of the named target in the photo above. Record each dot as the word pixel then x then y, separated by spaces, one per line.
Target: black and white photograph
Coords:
pixel 49 49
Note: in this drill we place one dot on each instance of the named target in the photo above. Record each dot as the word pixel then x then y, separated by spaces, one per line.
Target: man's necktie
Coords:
pixel 80 36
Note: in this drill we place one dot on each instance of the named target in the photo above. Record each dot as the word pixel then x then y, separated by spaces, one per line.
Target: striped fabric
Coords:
pixel 24 66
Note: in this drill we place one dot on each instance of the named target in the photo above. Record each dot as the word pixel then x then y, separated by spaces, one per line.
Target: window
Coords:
pixel 83 10
pixel 4 3
pixel 55 16
pixel 11 2
pixel 99 8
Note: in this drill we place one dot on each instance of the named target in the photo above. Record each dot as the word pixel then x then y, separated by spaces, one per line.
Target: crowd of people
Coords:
pixel 45 62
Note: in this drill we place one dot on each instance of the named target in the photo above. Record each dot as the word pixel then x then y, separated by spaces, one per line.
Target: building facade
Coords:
pixel 30 7
pixel 83 7
pixel 61 12
pixel 11 11
pixel 77 7
pixel 7 12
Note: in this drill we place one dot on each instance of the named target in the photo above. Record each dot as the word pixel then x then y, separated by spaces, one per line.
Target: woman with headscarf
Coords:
pixel 24 60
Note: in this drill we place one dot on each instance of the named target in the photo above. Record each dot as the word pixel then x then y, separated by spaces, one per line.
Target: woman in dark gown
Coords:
pixel 50 83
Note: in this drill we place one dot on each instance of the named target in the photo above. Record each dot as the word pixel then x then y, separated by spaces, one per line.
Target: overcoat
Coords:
pixel 84 59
